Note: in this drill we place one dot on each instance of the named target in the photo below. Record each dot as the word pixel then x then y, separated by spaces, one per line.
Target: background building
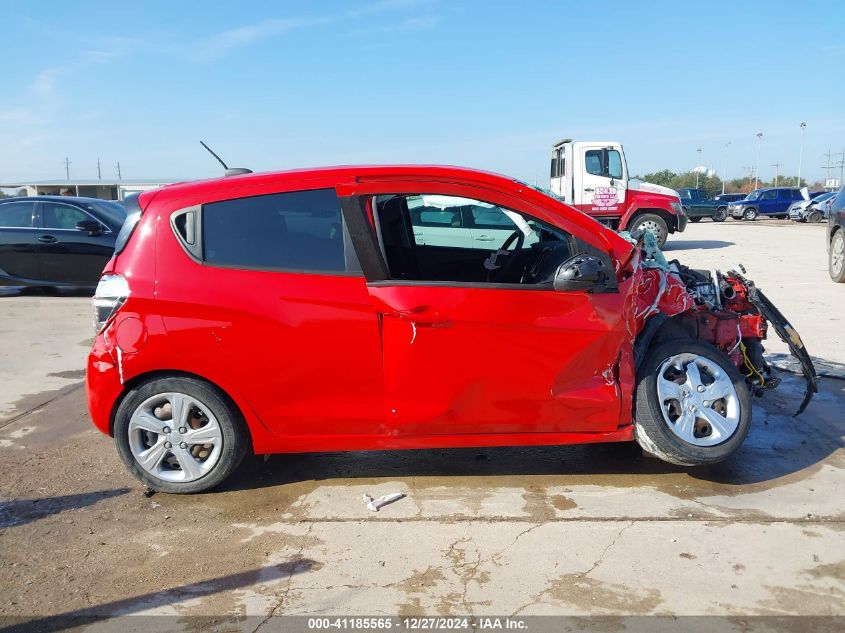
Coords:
pixel 105 189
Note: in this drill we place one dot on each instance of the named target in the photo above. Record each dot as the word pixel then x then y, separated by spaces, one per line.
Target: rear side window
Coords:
pixel 300 230
pixel 16 214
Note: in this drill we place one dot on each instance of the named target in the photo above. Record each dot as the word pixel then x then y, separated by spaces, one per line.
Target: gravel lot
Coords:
pixel 572 530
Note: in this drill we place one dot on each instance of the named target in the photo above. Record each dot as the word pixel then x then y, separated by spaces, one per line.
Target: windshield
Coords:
pixel 753 195
pixel 825 196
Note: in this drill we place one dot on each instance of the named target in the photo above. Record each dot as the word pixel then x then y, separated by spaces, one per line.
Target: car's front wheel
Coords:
pixel 836 261
pixel 692 405
pixel 179 435
pixel 721 214
pixel 652 223
pixel 815 216
pixel 749 214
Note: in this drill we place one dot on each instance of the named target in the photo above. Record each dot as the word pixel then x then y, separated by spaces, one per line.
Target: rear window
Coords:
pixel 300 230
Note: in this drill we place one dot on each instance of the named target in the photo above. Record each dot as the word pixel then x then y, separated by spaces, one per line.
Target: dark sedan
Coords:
pixel 56 240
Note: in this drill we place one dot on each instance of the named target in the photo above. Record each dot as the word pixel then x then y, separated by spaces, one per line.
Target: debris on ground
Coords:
pixel 148 492
pixel 373 505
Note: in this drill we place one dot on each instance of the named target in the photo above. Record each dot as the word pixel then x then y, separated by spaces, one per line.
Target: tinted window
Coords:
pixel 114 212
pixel 300 230
pixel 16 214
pixel 62 216
pixel 772 194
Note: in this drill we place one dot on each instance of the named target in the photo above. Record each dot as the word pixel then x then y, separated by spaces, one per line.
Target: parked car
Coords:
pixel 698 204
pixel 813 209
pixel 362 308
pixel 56 240
pixel 768 202
pixel 836 237
pixel 730 197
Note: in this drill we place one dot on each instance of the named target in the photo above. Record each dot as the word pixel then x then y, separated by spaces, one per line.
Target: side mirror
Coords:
pixel 582 272
pixel 92 227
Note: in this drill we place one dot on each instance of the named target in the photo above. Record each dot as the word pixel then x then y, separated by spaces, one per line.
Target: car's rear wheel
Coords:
pixel 179 435
pixel 653 223
pixel 721 214
pixel 836 259
pixel 749 214
pixel 815 216
pixel 694 220
pixel 692 405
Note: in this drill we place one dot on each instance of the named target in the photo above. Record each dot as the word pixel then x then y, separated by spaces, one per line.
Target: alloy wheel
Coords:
pixel 837 254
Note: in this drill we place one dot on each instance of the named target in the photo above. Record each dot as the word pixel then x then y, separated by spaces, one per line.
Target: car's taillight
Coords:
pixel 112 292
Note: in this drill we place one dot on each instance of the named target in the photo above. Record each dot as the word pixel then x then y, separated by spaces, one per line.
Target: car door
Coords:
pixel 18 240
pixel 69 255
pixel 602 181
pixel 466 355
pixel 768 202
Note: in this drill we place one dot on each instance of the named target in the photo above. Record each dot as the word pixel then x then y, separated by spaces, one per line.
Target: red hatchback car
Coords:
pixel 360 308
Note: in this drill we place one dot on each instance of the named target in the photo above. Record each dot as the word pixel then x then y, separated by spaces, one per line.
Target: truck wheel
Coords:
pixel 749 214
pixel 692 405
pixel 836 261
pixel 815 216
pixel 721 214
pixel 695 220
pixel 179 435
pixel 653 223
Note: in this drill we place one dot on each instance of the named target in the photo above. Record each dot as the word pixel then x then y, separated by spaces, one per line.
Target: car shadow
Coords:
pixel 46 291
pixel 681 245
pixel 158 599
pixel 779 449
pixel 22 511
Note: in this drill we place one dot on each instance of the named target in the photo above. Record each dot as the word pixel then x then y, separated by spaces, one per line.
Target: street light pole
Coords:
pixel 725 167
pixel 801 154
pixel 696 167
pixel 759 147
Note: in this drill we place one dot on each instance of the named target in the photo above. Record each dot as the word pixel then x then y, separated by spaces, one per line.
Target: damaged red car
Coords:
pixel 363 308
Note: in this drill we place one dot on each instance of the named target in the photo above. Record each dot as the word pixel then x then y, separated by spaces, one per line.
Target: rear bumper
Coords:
pixel 103 385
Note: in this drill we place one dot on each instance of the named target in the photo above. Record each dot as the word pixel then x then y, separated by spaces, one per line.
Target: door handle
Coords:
pixel 420 315
pixel 589 189
pixel 47 239
pixel 485 238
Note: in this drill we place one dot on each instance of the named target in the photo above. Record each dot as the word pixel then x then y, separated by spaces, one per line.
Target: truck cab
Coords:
pixel 593 177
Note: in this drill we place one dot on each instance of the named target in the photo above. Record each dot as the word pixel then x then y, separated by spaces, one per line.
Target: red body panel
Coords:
pixel 330 362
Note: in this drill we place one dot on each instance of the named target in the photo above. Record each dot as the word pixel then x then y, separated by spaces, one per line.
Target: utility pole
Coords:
pixel 118 170
pixel 801 154
pixel 67 168
pixel 777 167
pixel 827 168
pixel 99 173
pixel 841 164
pixel 725 167
pixel 759 148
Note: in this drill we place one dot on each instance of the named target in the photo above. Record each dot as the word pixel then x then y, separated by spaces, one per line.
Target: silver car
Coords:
pixel 812 210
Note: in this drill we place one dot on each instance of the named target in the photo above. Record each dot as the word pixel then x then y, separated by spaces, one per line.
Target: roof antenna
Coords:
pixel 230 171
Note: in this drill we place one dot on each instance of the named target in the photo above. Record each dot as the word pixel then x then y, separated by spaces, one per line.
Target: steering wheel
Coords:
pixel 500 272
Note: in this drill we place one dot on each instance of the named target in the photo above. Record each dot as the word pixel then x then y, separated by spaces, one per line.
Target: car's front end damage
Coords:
pixel 726 310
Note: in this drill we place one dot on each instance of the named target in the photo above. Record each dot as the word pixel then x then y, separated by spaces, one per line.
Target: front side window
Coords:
pixel 300 230
pixel 451 239
pixel 592 162
pixel 603 162
pixel 16 214
pixel 62 216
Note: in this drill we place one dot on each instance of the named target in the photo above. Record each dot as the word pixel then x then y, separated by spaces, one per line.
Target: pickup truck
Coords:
pixel 697 205
pixel 592 176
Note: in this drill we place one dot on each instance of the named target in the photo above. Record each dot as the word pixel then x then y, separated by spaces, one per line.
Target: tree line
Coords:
pixel 713 184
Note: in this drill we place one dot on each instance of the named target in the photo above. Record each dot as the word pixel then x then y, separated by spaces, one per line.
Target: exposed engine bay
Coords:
pixel 724 309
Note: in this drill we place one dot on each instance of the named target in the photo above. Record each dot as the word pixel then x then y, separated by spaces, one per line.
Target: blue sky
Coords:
pixel 275 85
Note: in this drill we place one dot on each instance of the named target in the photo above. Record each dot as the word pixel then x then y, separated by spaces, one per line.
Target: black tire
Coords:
pixel 235 435
pixel 721 214
pixel 836 257
pixel 815 216
pixel 652 430
pixel 749 214
pixel 694 220
pixel 651 222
